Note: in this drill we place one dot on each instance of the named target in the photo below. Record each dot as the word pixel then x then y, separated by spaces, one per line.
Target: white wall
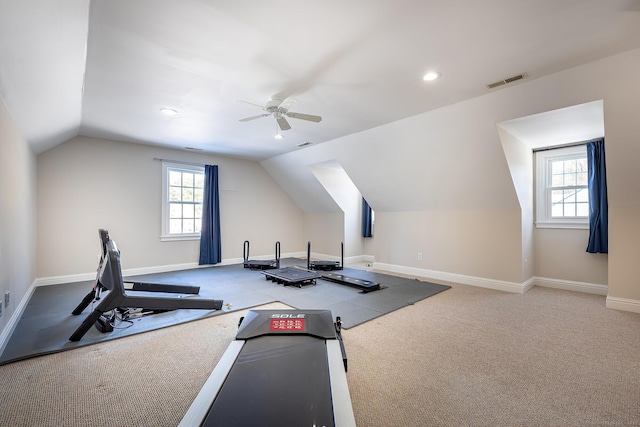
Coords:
pixel 432 170
pixel 325 231
pixel 87 183
pixel 520 160
pixel 561 254
pixel 346 195
pixel 17 216
pixel 480 244
pixel 619 81
pixel 624 257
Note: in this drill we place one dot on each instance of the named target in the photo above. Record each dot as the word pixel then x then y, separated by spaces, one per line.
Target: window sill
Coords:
pixel 563 224
pixel 173 237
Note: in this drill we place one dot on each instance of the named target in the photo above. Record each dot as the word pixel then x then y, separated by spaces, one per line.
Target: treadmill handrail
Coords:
pixel 199 409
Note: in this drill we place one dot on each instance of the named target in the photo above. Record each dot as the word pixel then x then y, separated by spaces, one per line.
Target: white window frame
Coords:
pixel 166 235
pixel 543 202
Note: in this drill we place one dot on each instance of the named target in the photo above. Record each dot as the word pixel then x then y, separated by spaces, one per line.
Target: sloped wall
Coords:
pixel 338 184
pixel 450 163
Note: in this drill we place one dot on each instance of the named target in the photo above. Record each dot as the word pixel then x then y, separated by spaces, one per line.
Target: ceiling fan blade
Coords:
pixel 252 104
pixel 254 117
pixel 288 103
pixel 283 123
pixel 301 116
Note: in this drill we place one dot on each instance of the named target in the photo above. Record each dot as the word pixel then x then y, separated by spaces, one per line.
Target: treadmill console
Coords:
pixel 257 323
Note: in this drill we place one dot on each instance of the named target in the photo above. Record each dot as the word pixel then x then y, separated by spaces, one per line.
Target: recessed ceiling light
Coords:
pixel 278 136
pixel 169 112
pixel 431 75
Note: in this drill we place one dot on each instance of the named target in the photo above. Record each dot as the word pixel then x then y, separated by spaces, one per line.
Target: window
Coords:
pixel 182 195
pixel 562 193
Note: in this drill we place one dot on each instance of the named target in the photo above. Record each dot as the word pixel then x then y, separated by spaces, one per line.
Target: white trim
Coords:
pixel 177 237
pixel 570 285
pixel 302 255
pixel 563 224
pixel 165 236
pixel 69 278
pixel 623 304
pixel 15 317
pixel 84 277
pixel 529 284
pixel 342 409
pixel 72 278
pixel 347 260
pixel 499 285
pixel 543 205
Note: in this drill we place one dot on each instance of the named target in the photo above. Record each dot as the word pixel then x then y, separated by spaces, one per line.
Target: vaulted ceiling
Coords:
pixel 106 68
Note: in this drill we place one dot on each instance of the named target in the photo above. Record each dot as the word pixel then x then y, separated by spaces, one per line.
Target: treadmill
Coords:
pixel 285 368
pixel 265 264
pixel 109 278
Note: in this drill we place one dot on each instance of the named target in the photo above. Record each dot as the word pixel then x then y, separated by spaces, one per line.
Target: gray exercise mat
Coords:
pixel 47 322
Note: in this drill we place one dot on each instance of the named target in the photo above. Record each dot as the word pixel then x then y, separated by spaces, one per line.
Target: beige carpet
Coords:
pixel 465 357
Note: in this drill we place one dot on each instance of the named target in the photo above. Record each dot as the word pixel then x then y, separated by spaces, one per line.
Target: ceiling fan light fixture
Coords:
pixel 431 75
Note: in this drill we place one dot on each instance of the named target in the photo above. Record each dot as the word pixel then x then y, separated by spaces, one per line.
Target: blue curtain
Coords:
pixel 367 219
pixel 598 211
pixel 210 243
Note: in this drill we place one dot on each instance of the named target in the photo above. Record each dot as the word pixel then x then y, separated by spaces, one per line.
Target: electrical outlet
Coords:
pixel 7 299
pixel 419 256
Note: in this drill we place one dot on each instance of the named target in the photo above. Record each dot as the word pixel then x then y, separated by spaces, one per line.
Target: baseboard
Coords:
pixel 15 317
pixel 268 257
pixel 570 285
pixel 500 285
pixel 85 277
pixel 623 304
pixel 347 260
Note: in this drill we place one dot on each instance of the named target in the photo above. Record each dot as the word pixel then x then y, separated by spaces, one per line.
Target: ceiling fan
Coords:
pixel 279 109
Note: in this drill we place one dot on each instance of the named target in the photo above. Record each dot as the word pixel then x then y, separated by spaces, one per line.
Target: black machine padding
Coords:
pixel 276 381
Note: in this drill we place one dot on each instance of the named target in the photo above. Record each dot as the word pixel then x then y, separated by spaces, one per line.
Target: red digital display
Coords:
pixel 287 325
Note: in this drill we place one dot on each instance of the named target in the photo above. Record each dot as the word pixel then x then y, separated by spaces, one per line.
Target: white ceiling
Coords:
pixel 105 68
pixel 577 123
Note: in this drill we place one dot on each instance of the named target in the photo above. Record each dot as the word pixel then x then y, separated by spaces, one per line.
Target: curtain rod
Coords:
pixel 180 162
pixel 570 144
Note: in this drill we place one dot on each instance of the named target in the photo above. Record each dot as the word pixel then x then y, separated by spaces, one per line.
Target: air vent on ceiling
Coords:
pixel 193 148
pixel 304 144
pixel 507 80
